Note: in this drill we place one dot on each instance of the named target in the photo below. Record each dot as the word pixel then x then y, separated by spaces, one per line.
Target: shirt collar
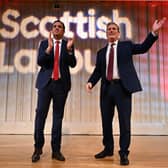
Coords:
pixel 114 43
pixel 54 40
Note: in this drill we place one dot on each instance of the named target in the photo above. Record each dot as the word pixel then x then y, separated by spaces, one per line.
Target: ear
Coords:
pixel 118 34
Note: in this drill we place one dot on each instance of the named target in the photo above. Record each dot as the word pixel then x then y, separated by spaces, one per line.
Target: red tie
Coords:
pixel 56 62
pixel 110 64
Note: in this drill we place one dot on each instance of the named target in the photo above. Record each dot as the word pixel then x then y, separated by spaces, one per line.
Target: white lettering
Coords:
pixel 101 24
pixel 91 23
pixel 43 23
pixel 4 68
pixel 88 66
pixel 23 28
pixel 31 66
pixel 124 20
pixel 87 26
pixel 81 21
pixel 7 21
pixel 67 19
pixel 79 64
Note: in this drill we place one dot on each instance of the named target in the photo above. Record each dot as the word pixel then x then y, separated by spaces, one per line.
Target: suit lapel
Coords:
pixel 118 48
pixel 104 56
pixel 119 51
pixel 63 49
pixel 103 59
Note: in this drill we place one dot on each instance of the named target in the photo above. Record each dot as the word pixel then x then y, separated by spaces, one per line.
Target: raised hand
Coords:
pixel 70 43
pixel 50 43
pixel 158 25
pixel 50 40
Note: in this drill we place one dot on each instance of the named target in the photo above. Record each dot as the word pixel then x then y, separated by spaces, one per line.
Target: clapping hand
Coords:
pixel 70 43
pixel 50 43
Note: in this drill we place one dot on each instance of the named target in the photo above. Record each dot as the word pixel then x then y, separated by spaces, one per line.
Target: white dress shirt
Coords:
pixel 60 42
pixel 115 67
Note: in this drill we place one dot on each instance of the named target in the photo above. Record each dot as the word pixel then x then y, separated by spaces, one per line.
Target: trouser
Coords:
pixel 113 94
pixel 53 91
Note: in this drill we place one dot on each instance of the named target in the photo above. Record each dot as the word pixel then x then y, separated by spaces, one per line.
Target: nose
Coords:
pixel 57 28
pixel 111 31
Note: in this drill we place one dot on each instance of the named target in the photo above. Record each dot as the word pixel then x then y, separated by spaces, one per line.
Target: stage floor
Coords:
pixel 79 150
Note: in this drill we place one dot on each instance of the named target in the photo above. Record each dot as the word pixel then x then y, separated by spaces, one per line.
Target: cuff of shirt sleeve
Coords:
pixel 154 34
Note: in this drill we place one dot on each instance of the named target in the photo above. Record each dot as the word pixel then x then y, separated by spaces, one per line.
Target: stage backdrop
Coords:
pixel 23 24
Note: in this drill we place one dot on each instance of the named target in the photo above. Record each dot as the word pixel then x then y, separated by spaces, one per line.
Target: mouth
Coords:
pixel 56 31
pixel 111 34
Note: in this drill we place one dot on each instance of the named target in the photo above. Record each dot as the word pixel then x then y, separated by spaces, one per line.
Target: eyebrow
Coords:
pixel 58 26
pixel 112 28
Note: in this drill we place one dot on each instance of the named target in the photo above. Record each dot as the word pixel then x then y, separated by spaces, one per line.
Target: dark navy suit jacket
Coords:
pixel 126 69
pixel 47 61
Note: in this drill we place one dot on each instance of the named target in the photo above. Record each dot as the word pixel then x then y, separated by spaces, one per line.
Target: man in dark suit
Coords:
pixel 55 56
pixel 114 65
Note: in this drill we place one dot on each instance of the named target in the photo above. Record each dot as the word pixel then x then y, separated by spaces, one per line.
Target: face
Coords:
pixel 112 33
pixel 58 30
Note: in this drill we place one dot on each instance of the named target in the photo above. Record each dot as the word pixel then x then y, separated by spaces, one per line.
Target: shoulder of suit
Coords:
pixel 44 40
pixel 125 42
pixel 64 40
pixel 102 50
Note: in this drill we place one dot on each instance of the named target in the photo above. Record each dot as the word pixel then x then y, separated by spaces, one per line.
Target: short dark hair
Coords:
pixel 59 22
pixel 113 23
